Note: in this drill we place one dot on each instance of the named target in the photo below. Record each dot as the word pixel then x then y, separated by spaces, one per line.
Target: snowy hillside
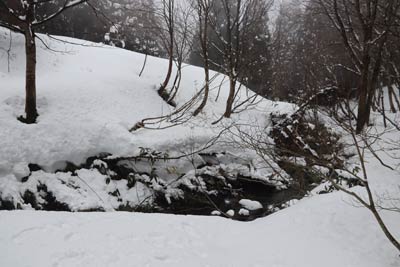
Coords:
pixel 89 96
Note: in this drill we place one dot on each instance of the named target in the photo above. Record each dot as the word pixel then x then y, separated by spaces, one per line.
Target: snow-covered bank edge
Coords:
pixel 322 231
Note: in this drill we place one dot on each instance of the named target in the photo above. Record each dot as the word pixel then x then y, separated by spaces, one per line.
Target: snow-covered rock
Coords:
pixel 250 204
pixel 21 170
pixel 230 213
pixel 216 213
pixel 244 212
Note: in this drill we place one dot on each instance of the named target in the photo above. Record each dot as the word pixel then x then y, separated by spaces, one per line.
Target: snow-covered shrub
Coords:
pixel 302 142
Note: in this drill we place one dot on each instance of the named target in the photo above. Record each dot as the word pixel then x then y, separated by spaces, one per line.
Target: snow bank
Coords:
pixel 321 231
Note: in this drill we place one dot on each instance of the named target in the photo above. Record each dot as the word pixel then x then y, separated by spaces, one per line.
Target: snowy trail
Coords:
pixel 322 231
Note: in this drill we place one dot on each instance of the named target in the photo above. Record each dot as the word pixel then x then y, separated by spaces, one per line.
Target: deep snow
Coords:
pixel 88 99
pixel 89 96
pixel 321 231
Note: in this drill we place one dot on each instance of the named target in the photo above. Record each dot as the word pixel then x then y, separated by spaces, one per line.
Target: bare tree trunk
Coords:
pixel 231 55
pixel 383 107
pixel 363 112
pixel 385 230
pixel 203 34
pixel 370 98
pixel 231 98
pixel 169 72
pixel 206 92
pixel 162 91
pixel 21 17
pixel 391 96
pixel 30 83
pixel 144 65
pixel 168 13
pixel 375 102
pixel 395 97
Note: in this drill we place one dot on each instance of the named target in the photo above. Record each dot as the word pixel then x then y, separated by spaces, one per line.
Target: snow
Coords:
pixel 230 213
pixel 21 170
pixel 88 97
pixel 86 190
pixel 250 204
pixel 216 213
pixel 244 212
pixel 324 230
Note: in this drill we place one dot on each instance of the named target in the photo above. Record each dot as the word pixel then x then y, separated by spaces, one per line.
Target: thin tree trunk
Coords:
pixel 391 96
pixel 30 82
pixel 204 47
pixel 144 65
pixel 385 230
pixel 363 98
pixel 229 61
pixel 162 91
pixel 362 110
pixel 370 98
pixel 169 72
pixel 395 97
pixel 206 93
pixel 383 108
pixel 231 97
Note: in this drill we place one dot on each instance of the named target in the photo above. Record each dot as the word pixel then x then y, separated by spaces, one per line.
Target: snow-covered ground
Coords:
pixel 329 230
pixel 325 230
pixel 88 99
pixel 89 96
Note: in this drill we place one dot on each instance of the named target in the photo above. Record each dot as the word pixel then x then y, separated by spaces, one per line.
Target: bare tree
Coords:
pixel 203 15
pixel 183 40
pixel 168 16
pixel 365 27
pixel 363 144
pixel 232 22
pixel 22 17
pixel 322 153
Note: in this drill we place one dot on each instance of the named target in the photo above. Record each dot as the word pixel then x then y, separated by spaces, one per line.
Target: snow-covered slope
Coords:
pixel 89 95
